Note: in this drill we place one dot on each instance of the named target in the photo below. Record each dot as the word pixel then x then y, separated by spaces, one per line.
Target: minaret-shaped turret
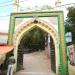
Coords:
pixel 58 4
pixel 16 6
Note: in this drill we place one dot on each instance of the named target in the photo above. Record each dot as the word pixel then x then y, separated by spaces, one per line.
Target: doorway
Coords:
pixel 36 55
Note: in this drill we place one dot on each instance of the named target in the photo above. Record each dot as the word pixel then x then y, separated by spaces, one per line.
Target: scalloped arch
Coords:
pixel 42 25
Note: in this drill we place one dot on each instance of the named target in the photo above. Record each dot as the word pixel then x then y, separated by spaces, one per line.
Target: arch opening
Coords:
pixel 47 29
pixel 45 47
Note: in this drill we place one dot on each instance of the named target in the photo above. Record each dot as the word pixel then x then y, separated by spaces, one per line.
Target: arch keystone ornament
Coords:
pixel 51 22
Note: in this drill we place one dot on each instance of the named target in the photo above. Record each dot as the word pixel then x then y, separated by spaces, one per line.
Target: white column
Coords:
pixel 16 6
pixel 49 44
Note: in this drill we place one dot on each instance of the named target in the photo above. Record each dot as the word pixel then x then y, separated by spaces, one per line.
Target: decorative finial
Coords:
pixel 15 5
pixel 58 3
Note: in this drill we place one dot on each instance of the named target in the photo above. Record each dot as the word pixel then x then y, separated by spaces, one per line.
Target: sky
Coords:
pixel 6 8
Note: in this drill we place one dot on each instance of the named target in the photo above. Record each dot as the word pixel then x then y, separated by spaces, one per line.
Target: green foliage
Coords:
pixel 70 22
pixel 71 18
pixel 71 15
pixel 67 26
pixel 34 37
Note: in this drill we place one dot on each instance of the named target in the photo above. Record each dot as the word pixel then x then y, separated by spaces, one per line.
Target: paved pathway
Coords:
pixel 36 63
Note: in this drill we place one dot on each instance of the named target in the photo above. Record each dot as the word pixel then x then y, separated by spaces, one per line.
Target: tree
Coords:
pixel 71 16
pixel 34 38
pixel 67 27
pixel 71 21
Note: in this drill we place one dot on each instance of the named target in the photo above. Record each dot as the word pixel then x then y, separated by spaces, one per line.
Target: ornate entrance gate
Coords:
pixel 50 22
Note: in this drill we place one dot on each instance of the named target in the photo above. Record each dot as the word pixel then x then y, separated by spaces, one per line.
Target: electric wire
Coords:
pixel 4 5
pixel 24 0
pixel 5 2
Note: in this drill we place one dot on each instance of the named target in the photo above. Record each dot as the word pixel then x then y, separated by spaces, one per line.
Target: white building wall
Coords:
pixel 3 39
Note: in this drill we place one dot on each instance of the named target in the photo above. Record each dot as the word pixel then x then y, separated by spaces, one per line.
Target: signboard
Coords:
pixel 68 37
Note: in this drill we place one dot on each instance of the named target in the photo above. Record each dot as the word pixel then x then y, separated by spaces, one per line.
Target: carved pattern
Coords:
pixel 39 23
pixel 63 42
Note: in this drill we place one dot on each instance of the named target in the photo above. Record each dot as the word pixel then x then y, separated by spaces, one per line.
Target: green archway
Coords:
pixel 17 29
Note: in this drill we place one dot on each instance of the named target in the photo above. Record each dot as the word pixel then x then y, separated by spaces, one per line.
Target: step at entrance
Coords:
pixel 34 73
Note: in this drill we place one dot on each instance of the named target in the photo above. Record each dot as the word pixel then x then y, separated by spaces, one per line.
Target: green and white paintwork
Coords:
pixel 57 32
